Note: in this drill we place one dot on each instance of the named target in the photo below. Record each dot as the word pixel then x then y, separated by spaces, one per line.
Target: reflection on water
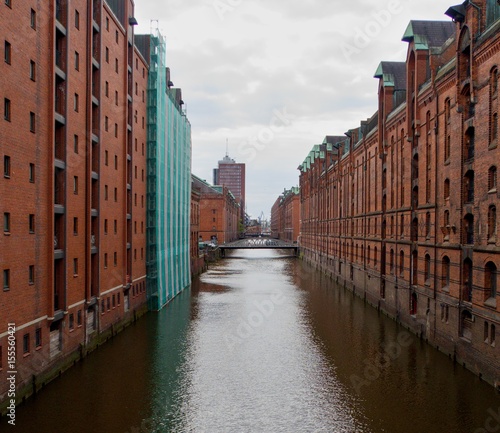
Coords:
pixel 263 343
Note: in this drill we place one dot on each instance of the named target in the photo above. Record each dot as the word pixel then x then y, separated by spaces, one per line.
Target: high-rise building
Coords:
pixel 232 175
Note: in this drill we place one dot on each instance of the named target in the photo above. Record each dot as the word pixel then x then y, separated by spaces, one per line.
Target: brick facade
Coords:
pixel 403 209
pixel 285 216
pixel 73 150
pixel 219 212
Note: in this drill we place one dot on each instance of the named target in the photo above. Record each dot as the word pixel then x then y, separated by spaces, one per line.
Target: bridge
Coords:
pixel 257 243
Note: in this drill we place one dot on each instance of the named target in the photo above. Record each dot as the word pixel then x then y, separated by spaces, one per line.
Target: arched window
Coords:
pixel 492 178
pixel 469 144
pixel 446 189
pixel 493 126
pixel 414 230
pixel 490 281
pixel 402 226
pixel 368 254
pixel 413 304
pixel 428 225
pixel 427 269
pixel 492 224
pixel 469 187
pixel 468 229
pixel 467 280
pixel 445 272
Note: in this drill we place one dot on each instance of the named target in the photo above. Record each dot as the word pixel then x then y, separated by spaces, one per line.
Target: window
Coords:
pixel 6 279
pixel 106 127
pixel 446 189
pixel 116 97
pixel 107 55
pixel 401 263
pixel 32 223
pixel 33 19
pixel 114 301
pixel 492 335
pixel 116 130
pixel 490 281
pixel 428 225
pixel 77 61
pixel 105 261
pixel 38 337
pixel 105 192
pixel 116 36
pixel 31 274
pixel 32 122
pixel 6 166
pixel 6 222
pixel 76 103
pixel 106 89
pixel 115 226
pixel 107 24
pixel 26 343
pixel 427 269
pixel 116 66
pixel 106 226
pixel 445 272
pixel 77 19
pixel 116 162
pixel 116 194
pixel 115 258
pixel 108 302
pixel 75 267
pixel 6 109
pixel 75 185
pixel 31 172
pixel 8 52
pixel 492 179
pixel 71 321
pixel 492 224
pixel 75 143
pixel 79 318
pixel 75 226
pixel 8 3
pixel 32 70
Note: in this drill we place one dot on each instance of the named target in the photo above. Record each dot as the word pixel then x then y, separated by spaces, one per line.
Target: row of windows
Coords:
pixel 7 169
pixel 111 301
pixel 7 114
pixel 7 226
pixel 7 277
pixel 8 60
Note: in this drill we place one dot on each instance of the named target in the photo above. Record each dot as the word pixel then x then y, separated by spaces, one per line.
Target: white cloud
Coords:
pixel 266 55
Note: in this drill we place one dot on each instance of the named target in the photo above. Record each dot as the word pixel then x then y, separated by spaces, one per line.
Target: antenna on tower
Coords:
pixel 227 147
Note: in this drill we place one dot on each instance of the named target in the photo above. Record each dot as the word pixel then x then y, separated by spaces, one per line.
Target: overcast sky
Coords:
pixel 275 76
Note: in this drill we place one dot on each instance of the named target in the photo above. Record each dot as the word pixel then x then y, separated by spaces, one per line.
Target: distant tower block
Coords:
pixel 232 175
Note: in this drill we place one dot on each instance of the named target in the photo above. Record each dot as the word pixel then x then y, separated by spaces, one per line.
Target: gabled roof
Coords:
pixel 429 34
pixel 393 74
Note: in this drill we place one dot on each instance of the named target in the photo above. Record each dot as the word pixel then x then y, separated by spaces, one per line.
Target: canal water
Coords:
pixel 263 343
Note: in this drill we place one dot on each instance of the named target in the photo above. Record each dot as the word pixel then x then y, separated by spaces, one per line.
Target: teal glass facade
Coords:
pixel 168 183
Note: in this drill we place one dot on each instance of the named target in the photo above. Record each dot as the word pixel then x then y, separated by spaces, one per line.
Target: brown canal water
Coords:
pixel 263 343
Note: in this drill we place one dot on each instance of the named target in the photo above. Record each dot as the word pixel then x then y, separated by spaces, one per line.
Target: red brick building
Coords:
pixel 285 216
pixel 73 193
pixel 219 212
pixel 403 209
pixel 197 258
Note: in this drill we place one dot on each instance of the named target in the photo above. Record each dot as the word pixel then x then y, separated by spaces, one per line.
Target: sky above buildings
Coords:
pixel 274 77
